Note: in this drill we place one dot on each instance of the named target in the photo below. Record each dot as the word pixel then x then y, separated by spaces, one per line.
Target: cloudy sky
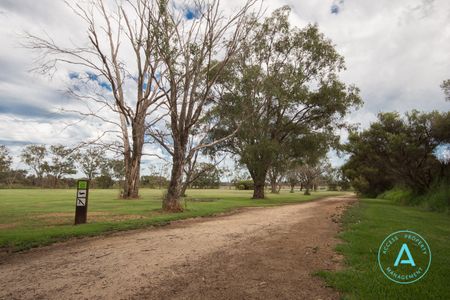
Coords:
pixel 397 53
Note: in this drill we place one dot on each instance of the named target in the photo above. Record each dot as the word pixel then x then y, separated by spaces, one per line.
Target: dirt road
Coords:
pixel 258 253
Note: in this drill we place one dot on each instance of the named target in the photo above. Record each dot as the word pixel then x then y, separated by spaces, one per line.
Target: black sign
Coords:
pixel 81 205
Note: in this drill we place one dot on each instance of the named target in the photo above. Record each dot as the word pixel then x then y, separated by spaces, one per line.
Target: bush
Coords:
pixel 244 184
pixel 104 182
pixel 401 195
pixel 436 199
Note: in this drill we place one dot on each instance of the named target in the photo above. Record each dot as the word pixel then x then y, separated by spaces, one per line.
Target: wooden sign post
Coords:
pixel 81 205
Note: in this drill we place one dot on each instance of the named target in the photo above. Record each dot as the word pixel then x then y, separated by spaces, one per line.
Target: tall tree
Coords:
pixel 195 45
pixel 34 156
pixel 116 72
pixel 282 87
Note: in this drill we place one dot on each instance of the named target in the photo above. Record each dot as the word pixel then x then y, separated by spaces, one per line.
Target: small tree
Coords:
pixel 91 161
pixel 292 178
pixel 5 164
pixel 308 174
pixel 5 159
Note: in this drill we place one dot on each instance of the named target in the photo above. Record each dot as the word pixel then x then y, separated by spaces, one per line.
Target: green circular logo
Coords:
pixel 404 257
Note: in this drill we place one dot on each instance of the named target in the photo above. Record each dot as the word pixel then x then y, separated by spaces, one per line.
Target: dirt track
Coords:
pixel 258 253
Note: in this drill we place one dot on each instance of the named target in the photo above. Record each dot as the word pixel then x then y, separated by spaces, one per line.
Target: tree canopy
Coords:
pixel 397 150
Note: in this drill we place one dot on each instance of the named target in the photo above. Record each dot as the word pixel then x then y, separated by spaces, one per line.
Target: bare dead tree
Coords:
pixel 195 51
pixel 118 73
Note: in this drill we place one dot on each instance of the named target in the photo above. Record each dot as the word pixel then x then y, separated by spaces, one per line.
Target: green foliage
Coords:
pixel 397 151
pixel 91 161
pixel 154 181
pixel 34 157
pixel 5 159
pixel 244 184
pixel 62 161
pixel 366 225
pixel 114 168
pixel 437 198
pixel 205 176
pixel 400 195
pixel 104 181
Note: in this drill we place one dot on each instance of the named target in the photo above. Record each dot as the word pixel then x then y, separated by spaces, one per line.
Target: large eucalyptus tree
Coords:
pixel 283 86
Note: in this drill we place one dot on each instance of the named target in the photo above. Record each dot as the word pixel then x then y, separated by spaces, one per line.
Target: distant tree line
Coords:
pixel 305 177
pixel 57 165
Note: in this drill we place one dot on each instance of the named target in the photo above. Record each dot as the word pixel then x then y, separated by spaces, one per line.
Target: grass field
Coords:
pixel 366 226
pixel 35 217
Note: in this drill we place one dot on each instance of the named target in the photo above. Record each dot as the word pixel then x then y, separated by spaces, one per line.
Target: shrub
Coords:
pixel 437 198
pixel 244 184
pixel 401 195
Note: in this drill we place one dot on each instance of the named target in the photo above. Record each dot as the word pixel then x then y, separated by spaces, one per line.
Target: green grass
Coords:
pixel 365 227
pixel 436 199
pixel 33 217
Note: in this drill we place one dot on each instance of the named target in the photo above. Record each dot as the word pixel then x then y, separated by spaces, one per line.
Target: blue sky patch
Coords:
pixel 92 77
pixel 191 13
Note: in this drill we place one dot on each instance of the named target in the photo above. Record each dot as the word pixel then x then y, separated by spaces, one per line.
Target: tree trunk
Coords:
pixel 307 193
pixel 259 180
pixel 184 188
pixel 171 201
pixel 292 188
pixel 274 187
pixel 132 159
pixel 258 191
pixel 273 182
pixel 132 176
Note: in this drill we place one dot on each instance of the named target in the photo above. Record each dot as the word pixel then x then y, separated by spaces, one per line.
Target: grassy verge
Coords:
pixel 30 218
pixel 365 227
pixel 436 199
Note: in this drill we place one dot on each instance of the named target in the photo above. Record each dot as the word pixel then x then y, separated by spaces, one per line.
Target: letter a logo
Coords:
pixel 409 261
